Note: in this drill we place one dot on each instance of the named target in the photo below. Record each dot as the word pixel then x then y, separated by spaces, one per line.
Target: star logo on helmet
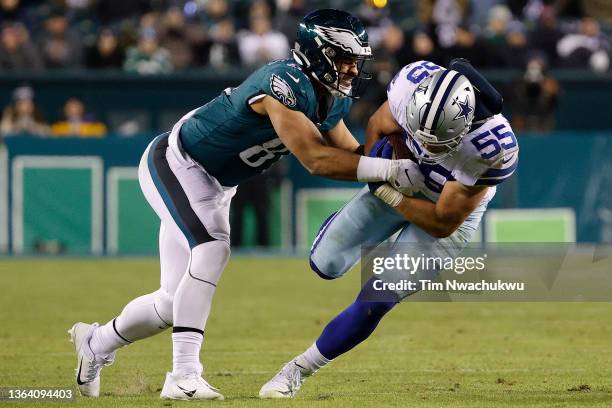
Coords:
pixel 464 109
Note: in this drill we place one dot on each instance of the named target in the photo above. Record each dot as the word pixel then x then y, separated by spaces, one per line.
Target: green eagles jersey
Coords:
pixel 232 142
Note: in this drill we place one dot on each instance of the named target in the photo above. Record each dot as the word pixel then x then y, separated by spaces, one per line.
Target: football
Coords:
pixel 400 149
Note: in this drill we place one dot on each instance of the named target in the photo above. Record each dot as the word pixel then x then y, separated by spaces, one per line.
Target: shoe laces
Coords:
pixel 197 377
pixel 294 375
pixel 93 370
pixel 206 383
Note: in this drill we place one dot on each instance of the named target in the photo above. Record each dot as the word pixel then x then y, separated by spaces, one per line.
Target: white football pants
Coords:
pixel 194 243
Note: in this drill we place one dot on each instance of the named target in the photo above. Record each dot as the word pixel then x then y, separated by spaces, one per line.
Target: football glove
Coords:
pixel 406 178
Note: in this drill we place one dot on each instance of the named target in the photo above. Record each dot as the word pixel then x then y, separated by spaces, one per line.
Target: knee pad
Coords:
pixel 208 260
pixel 329 267
pixel 316 270
pixel 163 306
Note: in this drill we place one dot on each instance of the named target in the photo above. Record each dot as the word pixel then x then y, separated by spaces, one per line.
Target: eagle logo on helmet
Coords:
pixel 344 39
pixel 282 91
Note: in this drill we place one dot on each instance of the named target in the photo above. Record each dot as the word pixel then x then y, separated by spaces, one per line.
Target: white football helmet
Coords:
pixel 440 113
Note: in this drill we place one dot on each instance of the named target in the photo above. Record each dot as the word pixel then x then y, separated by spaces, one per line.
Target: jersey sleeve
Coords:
pixel 403 85
pixel 492 155
pixel 290 87
pixel 338 111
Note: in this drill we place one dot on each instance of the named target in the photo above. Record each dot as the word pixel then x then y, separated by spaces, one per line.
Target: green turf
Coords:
pixel 266 310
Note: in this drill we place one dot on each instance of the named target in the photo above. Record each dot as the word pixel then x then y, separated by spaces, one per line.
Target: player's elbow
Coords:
pixel 446 226
pixel 316 165
pixel 317 169
pixel 441 232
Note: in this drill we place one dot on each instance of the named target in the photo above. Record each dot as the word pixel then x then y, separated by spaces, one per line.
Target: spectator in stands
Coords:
pixel 286 21
pixel 223 48
pixel 106 53
pixel 260 44
pixel 17 53
pixel 545 36
pixel 498 23
pixel 420 46
pixel 216 11
pixel 375 19
pixel 11 9
pixel 21 116
pixel 444 16
pixel 174 37
pixel 148 57
pixel 536 98
pixel 586 49
pixel 507 43
pixel 14 11
pixel 480 15
pixel 60 46
pixel 517 47
pixel 468 45
pixel 77 122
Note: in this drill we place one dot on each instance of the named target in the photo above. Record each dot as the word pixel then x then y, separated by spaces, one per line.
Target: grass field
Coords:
pixel 267 310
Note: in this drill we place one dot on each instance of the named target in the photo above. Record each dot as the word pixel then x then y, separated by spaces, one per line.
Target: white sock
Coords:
pixel 139 319
pixel 311 360
pixel 186 352
pixel 105 340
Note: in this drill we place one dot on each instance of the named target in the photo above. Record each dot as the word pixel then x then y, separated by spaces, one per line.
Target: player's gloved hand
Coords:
pixel 406 177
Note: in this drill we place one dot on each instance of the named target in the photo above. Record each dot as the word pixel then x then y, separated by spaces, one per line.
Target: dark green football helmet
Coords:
pixel 325 39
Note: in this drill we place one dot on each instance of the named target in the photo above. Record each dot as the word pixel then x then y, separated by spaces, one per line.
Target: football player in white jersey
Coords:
pixel 462 148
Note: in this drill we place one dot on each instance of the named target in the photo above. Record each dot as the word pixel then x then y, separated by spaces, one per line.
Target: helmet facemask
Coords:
pixel 446 148
pixel 335 81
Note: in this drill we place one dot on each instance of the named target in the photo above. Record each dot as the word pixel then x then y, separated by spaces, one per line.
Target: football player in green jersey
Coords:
pixel 190 174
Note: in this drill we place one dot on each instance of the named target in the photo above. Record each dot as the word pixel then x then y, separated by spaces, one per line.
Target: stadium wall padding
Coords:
pixel 80 196
pixel 157 100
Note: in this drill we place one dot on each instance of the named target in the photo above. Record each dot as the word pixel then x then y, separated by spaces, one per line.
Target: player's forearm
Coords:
pixel 342 165
pixel 427 216
pixel 332 163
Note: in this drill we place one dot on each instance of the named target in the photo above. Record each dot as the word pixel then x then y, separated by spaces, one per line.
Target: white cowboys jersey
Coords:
pixel 488 154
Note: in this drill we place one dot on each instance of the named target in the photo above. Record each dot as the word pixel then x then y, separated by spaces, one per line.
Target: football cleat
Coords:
pixel 189 387
pixel 286 383
pixel 89 365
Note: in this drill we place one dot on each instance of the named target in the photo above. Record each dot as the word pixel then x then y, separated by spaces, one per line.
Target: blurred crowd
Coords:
pixel 164 36
pixel 161 36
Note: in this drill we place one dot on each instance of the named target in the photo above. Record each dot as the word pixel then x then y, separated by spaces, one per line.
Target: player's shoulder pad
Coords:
pixel 287 83
pixel 497 150
pixel 413 73
pixel 404 83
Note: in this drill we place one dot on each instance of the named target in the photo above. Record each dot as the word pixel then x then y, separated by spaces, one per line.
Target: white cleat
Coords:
pixel 88 364
pixel 286 383
pixel 189 387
